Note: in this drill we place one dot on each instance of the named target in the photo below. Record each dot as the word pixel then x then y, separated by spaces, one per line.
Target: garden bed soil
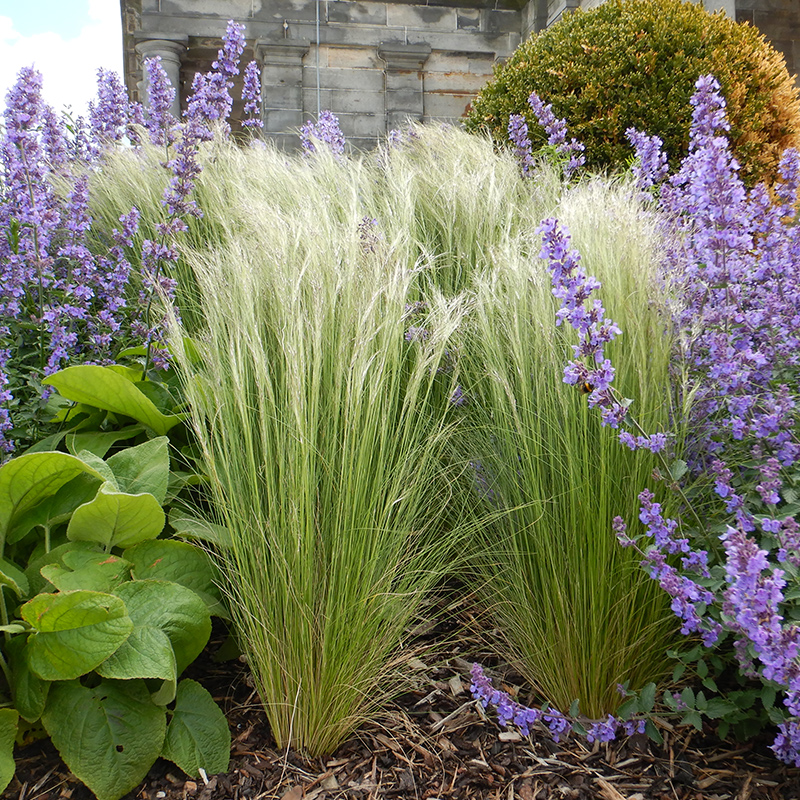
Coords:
pixel 435 742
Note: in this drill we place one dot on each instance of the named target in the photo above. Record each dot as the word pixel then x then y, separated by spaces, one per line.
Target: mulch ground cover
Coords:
pixel 434 741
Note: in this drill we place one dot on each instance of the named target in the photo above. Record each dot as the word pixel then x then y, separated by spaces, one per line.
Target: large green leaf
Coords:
pixel 174 609
pixel 28 689
pixel 198 736
pixel 99 572
pixel 116 519
pixel 146 653
pixel 189 527
pixel 100 442
pixel 74 632
pixel 13 577
pixel 27 480
pixel 179 562
pixel 57 507
pixel 109 735
pixel 144 468
pixel 8 733
pixel 105 388
pixel 33 572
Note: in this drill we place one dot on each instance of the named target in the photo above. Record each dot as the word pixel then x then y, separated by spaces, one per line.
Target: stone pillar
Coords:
pixel 282 88
pixel 170 46
pixel 403 87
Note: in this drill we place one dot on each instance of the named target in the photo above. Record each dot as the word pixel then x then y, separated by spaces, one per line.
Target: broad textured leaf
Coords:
pixel 173 608
pixel 146 653
pixel 104 388
pixel 189 527
pixel 13 577
pixel 99 442
pixel 27 480
pixel 116 519
pixel 179 562
pixel 198 736
pixel 37 562
pixel 97 463
pixel 27 688
pixel 109 736
pixel 8 733
pixel 99 572
pixel 74 632
pixel 57 508
pixel 144 468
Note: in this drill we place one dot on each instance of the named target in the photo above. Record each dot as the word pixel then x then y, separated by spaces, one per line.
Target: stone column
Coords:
pixel 282 88
pixel 170 46
pixel 403 88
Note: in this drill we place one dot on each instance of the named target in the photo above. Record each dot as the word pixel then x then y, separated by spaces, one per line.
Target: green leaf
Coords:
pixel 100 442
pixel 74 632
pixel 99 572
pixel 173 608
pixel 109 735
pixel 188 527
pixel 146 653
pixel 8 733
pixel 179 562
pixel 13 577
pixel 198 736
pixel 27 480
pixel 54 556
pixel 687 696
pixel 27 688
pixel 717 708
pixel 693 718
pixel 768 695
pixel 144 468
pixel 678 469
pixel 648 698
pixel 104 388
pixel 97 463
pixel 653 732
pixel 57 508
pixel 116 519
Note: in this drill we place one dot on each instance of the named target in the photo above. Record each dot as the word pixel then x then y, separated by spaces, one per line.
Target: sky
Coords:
pixel 66 40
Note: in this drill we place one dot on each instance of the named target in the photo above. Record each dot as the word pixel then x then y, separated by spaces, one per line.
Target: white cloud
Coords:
pixel 68 66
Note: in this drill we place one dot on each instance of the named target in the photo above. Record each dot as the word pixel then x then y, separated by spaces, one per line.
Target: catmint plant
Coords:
pixel 325 131
pixel 569 153
pixel 251 94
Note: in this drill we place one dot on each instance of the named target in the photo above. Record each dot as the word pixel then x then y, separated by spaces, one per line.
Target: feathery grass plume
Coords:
pixel 322 431
pixel 576 612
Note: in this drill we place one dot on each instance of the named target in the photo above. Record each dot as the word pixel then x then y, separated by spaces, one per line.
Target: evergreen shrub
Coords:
pixel 635 63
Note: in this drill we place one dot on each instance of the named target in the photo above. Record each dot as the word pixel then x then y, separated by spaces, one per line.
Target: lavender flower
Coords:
pixel 556 130
pixel 210 102
pixel 651 165
pixel 251 94
pixel 108 117
pixel 518 134
pixel 161 94
pixel 325 131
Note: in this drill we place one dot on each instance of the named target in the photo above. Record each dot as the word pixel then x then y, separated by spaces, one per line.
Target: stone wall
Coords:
pixel 373 64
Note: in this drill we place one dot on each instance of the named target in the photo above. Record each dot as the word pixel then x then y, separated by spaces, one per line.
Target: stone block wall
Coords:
pixel 373 63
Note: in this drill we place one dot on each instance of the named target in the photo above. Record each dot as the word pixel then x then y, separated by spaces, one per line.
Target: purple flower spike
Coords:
pixel 556 130
pixel 325 131
pixel 251 94
pixel 518 133
pixel 159 120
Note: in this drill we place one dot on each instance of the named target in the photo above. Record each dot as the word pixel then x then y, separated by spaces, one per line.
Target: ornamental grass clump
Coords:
pixel 322 432
pixel 576 613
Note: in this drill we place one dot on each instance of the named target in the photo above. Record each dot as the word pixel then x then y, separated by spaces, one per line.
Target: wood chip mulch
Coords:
pixel 436 742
